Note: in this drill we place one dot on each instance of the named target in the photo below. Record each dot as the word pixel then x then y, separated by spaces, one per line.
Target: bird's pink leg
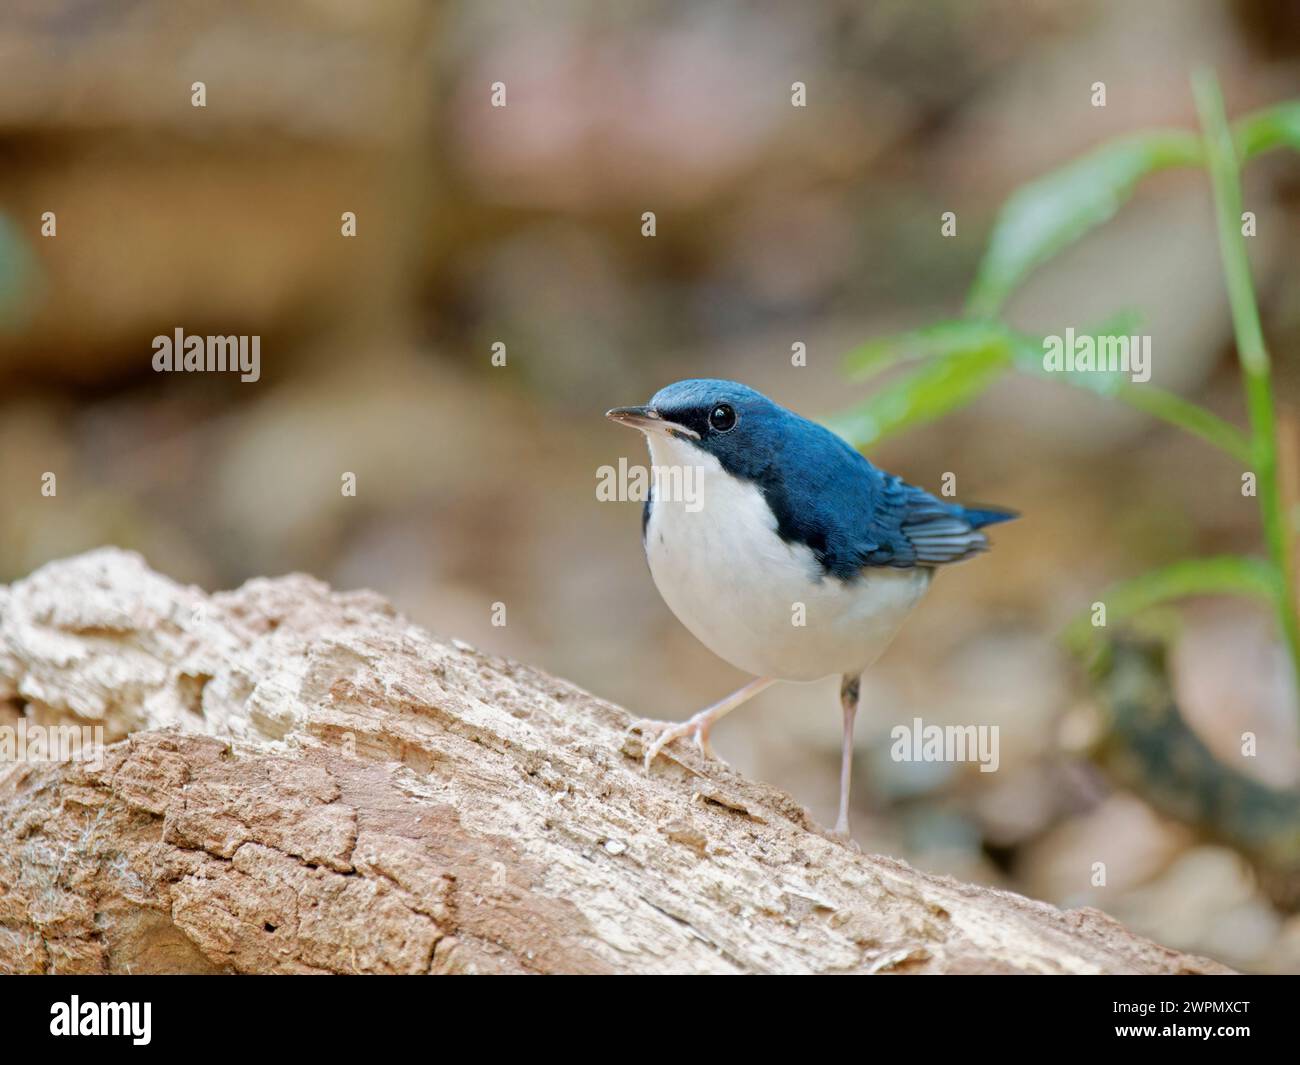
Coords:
pixel 849 689
pixel 700 724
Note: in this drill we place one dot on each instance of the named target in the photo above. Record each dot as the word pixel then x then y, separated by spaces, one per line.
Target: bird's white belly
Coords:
pixel 762 604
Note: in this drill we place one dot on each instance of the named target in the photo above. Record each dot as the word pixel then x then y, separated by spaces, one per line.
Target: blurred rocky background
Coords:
pixel 775 225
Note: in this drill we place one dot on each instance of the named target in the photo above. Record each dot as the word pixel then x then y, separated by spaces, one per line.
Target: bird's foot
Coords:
pixel 664 732
pixel 842 836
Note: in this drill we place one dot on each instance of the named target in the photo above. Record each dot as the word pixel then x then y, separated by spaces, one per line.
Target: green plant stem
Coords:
pixel 1225 175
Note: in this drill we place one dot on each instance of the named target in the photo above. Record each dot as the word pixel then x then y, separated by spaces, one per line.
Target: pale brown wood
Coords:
pixel 303 781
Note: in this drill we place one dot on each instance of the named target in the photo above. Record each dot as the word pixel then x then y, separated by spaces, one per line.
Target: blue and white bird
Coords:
pixel 795 558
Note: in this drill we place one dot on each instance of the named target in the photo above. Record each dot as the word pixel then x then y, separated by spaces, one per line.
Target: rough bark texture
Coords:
pixel 302 781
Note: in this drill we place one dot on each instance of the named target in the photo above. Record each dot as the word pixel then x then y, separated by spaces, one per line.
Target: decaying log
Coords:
pixel 302 781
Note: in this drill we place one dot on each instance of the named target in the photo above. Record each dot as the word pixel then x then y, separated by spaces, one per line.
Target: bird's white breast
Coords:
pixel 762 604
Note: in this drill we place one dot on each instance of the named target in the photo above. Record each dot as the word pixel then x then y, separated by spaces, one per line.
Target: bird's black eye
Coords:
pixel 722 418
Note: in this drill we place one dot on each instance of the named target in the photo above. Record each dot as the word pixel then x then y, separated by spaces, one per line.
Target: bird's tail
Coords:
pixel 978 517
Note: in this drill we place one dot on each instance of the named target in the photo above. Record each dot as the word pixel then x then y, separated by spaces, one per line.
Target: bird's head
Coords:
pixel 732 422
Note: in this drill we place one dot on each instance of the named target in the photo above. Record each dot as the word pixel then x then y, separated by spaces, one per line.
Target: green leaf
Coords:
pixel 1143 396
pixel 1049 214
pixel 1188 416
pixel 16 267
pixel 1221 575
pixel 941 385
pixel 1274 127
pixel 955 340
pixel 933 341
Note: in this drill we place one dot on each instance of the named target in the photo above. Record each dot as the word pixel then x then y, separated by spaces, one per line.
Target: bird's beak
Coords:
pixel 648 420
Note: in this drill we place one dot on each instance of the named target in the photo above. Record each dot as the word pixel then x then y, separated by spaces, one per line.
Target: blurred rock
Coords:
pixel 1232 677
pixel 1207 898
pixel 1122 832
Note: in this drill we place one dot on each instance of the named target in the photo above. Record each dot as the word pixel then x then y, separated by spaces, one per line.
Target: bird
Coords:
pixel 791 556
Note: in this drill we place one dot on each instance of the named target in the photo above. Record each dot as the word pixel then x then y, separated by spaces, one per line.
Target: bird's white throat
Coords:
pixel 763 604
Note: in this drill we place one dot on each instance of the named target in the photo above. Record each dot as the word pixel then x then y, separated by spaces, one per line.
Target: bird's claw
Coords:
pixel 675 730
pixel 840 834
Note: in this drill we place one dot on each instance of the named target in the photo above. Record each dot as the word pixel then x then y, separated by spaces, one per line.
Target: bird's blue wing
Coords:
pixel 910 527
pixel 825 495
